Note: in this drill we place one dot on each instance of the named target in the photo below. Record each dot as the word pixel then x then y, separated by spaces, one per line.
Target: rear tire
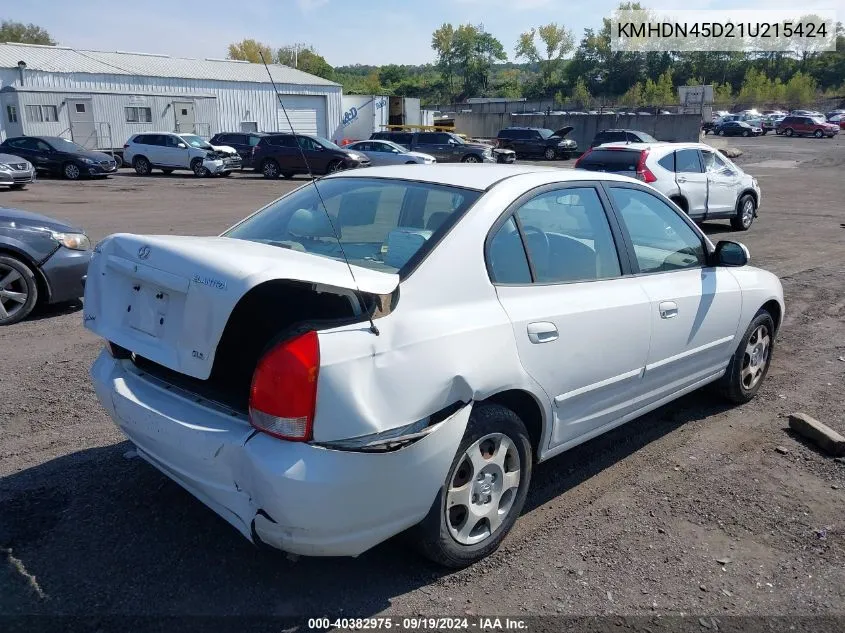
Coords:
pixel 18 290
pixel 750 363
pixel 270 168
pixel 745 212
pixel 142 166
pixel 497 439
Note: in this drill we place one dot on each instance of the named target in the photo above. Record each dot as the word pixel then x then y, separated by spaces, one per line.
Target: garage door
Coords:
pixel 307 115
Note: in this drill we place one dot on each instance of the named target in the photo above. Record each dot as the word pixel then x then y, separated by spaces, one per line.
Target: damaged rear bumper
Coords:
pixel 294 496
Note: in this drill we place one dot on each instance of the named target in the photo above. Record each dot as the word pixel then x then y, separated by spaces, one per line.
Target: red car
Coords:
pixel 807 126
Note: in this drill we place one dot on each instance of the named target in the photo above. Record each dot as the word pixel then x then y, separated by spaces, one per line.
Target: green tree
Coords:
pixel 21 33
pixel 443 43
pixel 723 93
pixel 392 74
pixel 555 41
pixel 304 58
pixel 633 96
pixel 470 51
pixel 800 90
pixel 251 51
pixel 581 94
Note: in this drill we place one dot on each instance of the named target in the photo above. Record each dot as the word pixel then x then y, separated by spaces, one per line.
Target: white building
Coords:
pixel 99 99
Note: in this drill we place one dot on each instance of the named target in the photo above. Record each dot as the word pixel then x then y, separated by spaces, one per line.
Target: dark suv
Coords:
pixel 622 136
pixel 278 155
pixel 537 141
pixel 241 142
pixel 445 147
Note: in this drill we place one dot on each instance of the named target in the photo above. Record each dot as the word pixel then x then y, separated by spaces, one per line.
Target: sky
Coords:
pixel 343 31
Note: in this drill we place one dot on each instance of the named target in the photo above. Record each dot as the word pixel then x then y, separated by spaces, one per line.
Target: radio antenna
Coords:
pixel 358 293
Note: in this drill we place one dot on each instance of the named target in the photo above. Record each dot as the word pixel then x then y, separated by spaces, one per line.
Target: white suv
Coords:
pixel 169 151
pixel 701 181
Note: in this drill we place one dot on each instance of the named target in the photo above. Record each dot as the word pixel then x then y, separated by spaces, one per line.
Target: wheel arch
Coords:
pixel 44 291
pixel 529 410
pixel 774 308
pixel 749 192
pixel 680 200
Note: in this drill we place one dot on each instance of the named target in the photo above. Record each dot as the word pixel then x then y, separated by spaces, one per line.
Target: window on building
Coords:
pixel 12 113
pixel 33 114
pixel 80 107
pixel 41 113
pixel 138 114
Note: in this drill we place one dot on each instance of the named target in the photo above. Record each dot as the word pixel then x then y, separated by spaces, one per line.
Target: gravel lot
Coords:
pixel 635 522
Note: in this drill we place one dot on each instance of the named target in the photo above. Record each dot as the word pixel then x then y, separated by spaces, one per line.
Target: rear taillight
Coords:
pixel 582 157
pixel 283 395
pixel 643 172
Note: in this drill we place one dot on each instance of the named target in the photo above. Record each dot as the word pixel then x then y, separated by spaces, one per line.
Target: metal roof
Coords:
pixel 60 59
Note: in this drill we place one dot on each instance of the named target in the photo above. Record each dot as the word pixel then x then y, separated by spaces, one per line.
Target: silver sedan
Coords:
pixel 15 172
pixel 390 153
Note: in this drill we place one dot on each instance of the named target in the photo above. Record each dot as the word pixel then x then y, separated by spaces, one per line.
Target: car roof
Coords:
pixel 639 147
pixel 237 132
pixel 467 176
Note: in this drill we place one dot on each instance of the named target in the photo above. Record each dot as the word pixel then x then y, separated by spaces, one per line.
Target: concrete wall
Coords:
pixel 665 127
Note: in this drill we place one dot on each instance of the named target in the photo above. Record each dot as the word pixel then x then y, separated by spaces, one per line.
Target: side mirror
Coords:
pixel 181 146
pixel 731 254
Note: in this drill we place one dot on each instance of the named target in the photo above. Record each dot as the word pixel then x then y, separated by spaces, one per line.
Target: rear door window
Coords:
pixel 668 162
pixel 687 161
pixel 432 138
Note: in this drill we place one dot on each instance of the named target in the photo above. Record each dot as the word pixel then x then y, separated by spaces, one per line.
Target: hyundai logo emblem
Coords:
pixel 143 252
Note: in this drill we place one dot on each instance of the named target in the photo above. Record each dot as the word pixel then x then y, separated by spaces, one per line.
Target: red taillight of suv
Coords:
pixel 283 395
pixel 643 172
pixel 582 157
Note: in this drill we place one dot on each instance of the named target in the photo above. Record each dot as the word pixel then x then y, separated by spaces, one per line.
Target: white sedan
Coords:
pixel 487 320
pixel 383 153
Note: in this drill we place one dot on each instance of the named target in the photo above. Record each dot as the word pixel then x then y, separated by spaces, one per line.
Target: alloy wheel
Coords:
pixel 483 489
pixel 13 292
pixel 756 357
pixel 747 212
pixel 72 172
pixel 270 169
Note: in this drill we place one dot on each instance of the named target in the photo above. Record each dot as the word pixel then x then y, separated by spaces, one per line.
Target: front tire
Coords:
pixel 270 168
pixel 789 131
pixel 71 171
pixel 484 491
pixel 750 363
pixel 198 168
pixel 18 186
pixel 818 134
pixel 745 212
pixel 334 167
pixel 745 133
pixel 18 290
pixel 470 158
pixel 550 153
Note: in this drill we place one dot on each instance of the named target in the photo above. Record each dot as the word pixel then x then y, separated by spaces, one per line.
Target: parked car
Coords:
pixel 810 113
pixel 621 136
pixel 838 119
pixel 282 155
pixel 807 126
pixel 15 172
pixel 770 122
pixel 534 141
pixel 59 156
pixel 834 113
pixel 389 153
pixel 241 142
pixel 702 182
pixel 737 128
pixel 42 261
pixel 321 413
pixel 169 151
pixel 444 146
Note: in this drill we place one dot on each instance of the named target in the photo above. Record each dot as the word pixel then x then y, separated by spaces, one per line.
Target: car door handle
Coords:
pixel 668 309
pixel 542 332
pixel 681 179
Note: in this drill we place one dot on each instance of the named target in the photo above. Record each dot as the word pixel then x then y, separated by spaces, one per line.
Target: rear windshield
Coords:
pixel 617 160
pixel 383 224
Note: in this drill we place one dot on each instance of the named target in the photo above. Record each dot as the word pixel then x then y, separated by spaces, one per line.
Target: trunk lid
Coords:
pixel 169 298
